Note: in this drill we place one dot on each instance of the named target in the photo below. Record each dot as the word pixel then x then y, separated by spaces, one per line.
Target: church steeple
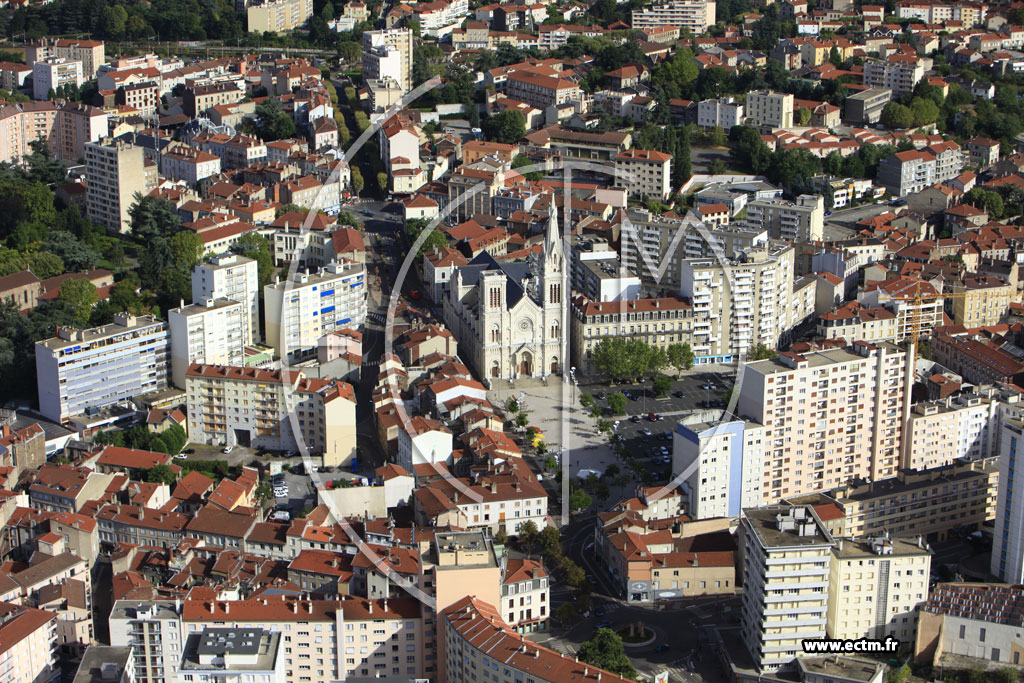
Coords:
pixel 553 237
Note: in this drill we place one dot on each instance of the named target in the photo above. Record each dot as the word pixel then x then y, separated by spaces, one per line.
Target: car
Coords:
pixel 667 436
pixel 634 418
pixel 679 394
pixel 604 623
pixel 591 580
pixel 828 213
pixel 659 416
pixel 599 611
pixel 616 424
pixel 599 395
pixel 180 456
pixel 645 431
pixel 291 454
pixel 366 213
pixel 651 417
pixel 662 647
pixel 227 449
pixel 189 451
pixel 323 468
pixel 666 460
pixel 281 516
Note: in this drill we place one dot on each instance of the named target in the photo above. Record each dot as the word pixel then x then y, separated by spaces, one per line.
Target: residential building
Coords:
pixel 725 462
pixel 782 608
pixel 975 624
pixel 52 73
pixel 306 306
pixel 188 164
pixel 525 603
pixel 945 501
pixel 985 300
pixel 770 109
pixel 982 152
pixel 115 171
pixel 540 91
pixel 28 644
pixel 473 635
pixel 653 246
pixel 802 220
pixel 101 366
pixel 898 72
pixel 387 53
pixel 912 171
pixel 740 303
pixel 876 585
pixel 66 128
pixel 275 16
pixel 234 277
pixel 977 360
pixel 1007 562
pixel 510 318
pixel 422 440
pixel 865 107
pixel 106 664
pixel 152 628
pixel 199 99
pixel 226 655
pixel 694 16
pixel 954 428
pixel 864 406
pixel 91 53
pixel 645 172
pixel 724 112
pixel 208 331
pixel 272 409
pixel 853 321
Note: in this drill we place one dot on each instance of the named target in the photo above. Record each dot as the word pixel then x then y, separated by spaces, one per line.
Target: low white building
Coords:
pixel 722 112
pixel 52 73
pixel 431 443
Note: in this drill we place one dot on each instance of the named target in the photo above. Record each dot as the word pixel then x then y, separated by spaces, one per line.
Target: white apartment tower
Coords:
pixel 230 276
pixel 694 16
pixel 786 554
pixel 740 303
pixel 308 305
pixel 828 416
pixel 52 73
pixel 387 53
pixel 1007 561
pixel 114 173
pixel 724 462
pixel 208 331
pixel 800 221
pixel 101 366
pixel 152 628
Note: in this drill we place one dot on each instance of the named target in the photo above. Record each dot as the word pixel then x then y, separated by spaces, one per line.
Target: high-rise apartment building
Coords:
pixel 725 460
pixel 387 53
pixel 942 432
pixel 771 109
pixel 91 53
pixel 101 366
pixel 52 73
pixel 800 221
pixel 742 302
pixel 898 73
pixel 645 172
pixel 875 587
pixel 786 555
pixel 694 16
pixel 152 628
pixel 1007 561
pixel 653 246
pixel 115 171
pixel 278 15
pixel 271 409
pixel 66 127
pixel 208 331
pixel 828 416
pixel 230 276
pixel 307 306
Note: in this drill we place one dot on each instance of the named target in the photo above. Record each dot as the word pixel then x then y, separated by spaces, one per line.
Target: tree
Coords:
pixel 161 474
pixel 680 356
pixel 924 111
pixel 717 136
pixel 586 400
pixel 45 265
pixel 186 249
pixel 357 180
pixel 527 534
pixel 681 161
pixel 273 122
pixel 803 115
pixel 579 500
pixel 153 217
pixel 899 674
pixel 605 651
pixel 74 254
pixel 718 167
pixel 257 247
pixel 511 405
pixel 549 539
pixel 897 116
pixel 986 200
pixel 662 385
pixel 508 127
pixel 522 419
pixel 565 612
pixel 382 181
pixel 761 352
pixel 80 295
pixel 617 403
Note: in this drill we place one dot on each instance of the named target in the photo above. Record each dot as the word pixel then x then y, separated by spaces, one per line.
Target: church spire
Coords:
pixel 553 236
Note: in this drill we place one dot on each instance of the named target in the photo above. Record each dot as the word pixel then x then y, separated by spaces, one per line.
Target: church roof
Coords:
pixel 515 273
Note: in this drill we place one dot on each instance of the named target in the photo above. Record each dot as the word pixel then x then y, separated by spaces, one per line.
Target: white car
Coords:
pixel 227 449
pixel 180 456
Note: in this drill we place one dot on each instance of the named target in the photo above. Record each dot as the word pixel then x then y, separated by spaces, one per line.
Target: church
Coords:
pixel 510 318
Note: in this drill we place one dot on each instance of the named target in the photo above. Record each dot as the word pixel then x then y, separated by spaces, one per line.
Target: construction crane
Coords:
pixel 916 300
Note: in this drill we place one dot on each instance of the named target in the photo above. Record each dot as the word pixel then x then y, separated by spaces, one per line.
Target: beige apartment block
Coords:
pixel 875 587
pixel 986 300
pixel 931 503
pixel 278 15
pixel 91 53
pixel 645 172
pixel 271 409
pixel 829 416
pixel 770 109
pixel 694 16
pixel 114 173
pixel 387 53
pixel 944 431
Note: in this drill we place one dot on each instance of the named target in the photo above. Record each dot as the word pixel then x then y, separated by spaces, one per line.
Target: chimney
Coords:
pixel 371 606
pixel 213 607
pixel 295 606
pixel 227 607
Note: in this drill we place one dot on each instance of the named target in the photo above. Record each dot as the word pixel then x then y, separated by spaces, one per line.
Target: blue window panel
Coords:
pixel 346 320
pixel 327 309
pixel 327 292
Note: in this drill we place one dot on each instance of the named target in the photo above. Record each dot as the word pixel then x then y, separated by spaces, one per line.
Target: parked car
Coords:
pixel 662 647
pixel 635 418
pixel 604 623
pixel 227 449
pixel 180 456
pixel 651 417
pixel 645 431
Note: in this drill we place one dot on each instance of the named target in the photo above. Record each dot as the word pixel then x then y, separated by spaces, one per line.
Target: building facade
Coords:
pixel 208 331
pixel 234 277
